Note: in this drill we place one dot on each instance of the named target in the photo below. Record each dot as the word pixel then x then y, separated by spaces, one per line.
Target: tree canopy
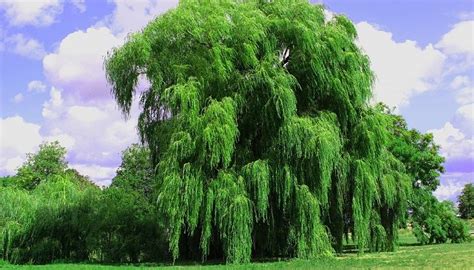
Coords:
pixel 136 171
pixel 258 123
pixel 466 201
pixel 48 161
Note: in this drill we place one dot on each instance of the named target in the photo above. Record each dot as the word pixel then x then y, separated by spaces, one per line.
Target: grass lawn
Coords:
pixel 409 255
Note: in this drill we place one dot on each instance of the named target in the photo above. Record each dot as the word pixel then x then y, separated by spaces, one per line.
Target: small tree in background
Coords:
pixel 136 171
pixel 466 202
pixel 48 161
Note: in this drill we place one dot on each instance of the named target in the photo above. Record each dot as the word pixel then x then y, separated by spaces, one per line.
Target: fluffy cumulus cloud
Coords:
pixel 464 90
pixel 464 119
pixel 80 107
pixel 454 143
pixel 80 112
pixel 99 174
pixel 402 69
pixel 77 65
pixel 53 106
pixel 460 40
pixel 27 47
pixel 27 12
pixel 452 185
pixel 458 44
pixel 456 137
pixel 457 146
pixel 17 137
pixel 94 134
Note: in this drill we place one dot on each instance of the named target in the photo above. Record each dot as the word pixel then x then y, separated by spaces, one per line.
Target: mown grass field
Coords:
pixel 408 256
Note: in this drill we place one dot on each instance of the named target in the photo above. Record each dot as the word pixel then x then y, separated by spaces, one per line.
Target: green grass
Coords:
pixel 409 255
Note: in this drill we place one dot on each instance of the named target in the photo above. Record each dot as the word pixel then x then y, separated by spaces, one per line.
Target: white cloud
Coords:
pixel 464 90
pixel 94 136
pixel 11 165
pixel 452 185
pixel 27 12
pixel 18 98
pixel 459 81
pixel 21 45
pixel 131 16
pixel 36 86
pixel 79 4
pixel 464 119
pixel 447 191
pixel 99 174
pixel 64 139
pixel 96 133
pixel 52 107
pixel 454 143
pixel 17 137
pixel 465 95
pixel 77 65
pixel 86 114
pixel 402 70
pixel 80 112
pixel 460 40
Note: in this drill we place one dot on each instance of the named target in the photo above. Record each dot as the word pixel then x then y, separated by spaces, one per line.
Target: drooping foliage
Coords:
pixel 64 216
pixel 50 222
pixel 258 123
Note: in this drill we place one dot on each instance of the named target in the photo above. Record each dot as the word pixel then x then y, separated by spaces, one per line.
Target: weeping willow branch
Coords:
pixel 254 147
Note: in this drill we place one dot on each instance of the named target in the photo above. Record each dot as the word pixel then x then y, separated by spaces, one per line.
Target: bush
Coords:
pixel 128 228
pixel 58 225
pixel 436 222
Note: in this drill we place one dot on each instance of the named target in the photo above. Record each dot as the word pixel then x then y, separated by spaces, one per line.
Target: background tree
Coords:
pixel 466 202
pixel 48 161
pixel 258 121
pixel 6 181
pixel 136 171
pixel 432 221
pixel 67 217
pixel 436 222
pixel 130 229
pixel 417 151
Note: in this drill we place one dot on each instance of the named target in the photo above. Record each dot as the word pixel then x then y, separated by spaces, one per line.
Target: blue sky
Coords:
pixel 53 86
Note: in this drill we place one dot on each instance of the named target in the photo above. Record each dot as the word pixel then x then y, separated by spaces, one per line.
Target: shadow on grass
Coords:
pixel 410 244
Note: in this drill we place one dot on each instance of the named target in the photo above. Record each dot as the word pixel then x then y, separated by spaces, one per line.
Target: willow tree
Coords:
pixel 259 127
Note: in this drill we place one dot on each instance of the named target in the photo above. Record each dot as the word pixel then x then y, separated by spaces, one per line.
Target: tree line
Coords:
pixel 258 140
pixel 49 212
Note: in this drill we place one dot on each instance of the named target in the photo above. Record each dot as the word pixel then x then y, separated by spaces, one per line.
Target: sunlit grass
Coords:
pixel 408 255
